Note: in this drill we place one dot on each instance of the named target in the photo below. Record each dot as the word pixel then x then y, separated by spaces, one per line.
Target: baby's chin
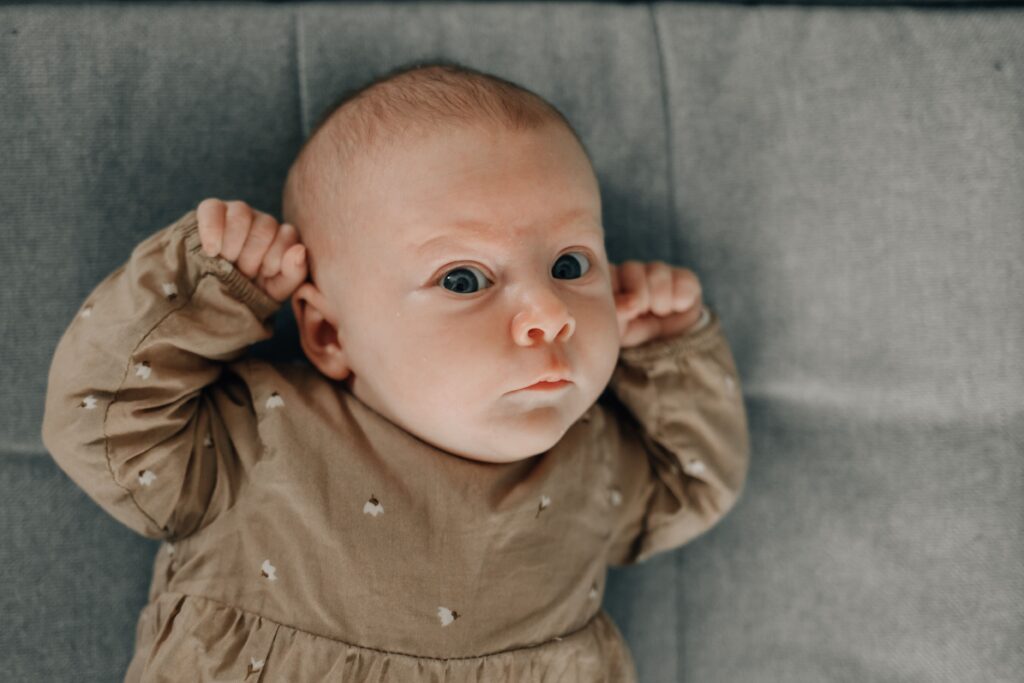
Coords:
pixel 531 432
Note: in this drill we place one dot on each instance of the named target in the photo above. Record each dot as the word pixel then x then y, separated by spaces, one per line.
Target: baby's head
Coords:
pixel 455 244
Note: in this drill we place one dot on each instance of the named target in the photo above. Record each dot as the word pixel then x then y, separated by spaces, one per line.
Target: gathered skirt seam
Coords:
pixel 549 641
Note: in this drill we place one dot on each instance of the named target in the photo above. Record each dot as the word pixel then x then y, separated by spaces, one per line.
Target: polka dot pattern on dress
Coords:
pixel 615 496
pixel 694 467
pixel 373 506
pixel 254 665
pixel 446 615
pixel 143 369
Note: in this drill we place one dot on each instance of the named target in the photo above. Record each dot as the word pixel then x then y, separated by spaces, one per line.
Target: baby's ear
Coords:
pixel 318 331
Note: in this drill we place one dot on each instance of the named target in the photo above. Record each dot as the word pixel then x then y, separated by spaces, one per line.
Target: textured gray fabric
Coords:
pixel 847 182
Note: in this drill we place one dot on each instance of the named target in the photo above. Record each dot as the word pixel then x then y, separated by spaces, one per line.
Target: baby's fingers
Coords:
pixel 292 273
pixel 284 239
pixel 633 296
pixel 293 265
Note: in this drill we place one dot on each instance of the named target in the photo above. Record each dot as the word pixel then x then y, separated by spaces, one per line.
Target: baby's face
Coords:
pixel 473 264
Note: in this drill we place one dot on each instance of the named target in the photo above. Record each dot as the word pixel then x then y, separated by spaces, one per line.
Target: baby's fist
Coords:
pixel 267 253
pixel 654 300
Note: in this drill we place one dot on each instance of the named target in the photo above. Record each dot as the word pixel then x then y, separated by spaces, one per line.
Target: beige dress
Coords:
pixel 309 538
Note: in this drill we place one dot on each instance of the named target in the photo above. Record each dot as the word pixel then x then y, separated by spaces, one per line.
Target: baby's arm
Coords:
pixel 676 401
pixel 139 397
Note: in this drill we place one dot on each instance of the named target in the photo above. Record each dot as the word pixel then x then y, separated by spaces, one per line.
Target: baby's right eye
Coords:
pixel 459 281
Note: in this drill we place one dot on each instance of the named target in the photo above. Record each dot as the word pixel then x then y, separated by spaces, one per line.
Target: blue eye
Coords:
pixel 461 283
pixel 462 280
pixel 568 268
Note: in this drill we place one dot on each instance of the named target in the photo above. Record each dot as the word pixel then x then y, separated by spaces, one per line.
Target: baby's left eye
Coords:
pixel 569 269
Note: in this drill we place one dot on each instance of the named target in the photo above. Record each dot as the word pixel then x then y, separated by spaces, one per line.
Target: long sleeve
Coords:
pixel 142 410
pixel 681 442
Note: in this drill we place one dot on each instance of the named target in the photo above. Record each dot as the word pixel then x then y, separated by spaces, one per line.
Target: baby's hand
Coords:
pixel 654 300
pixel 255 243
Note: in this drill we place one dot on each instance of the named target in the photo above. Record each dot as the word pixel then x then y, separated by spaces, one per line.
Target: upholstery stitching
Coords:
pixel 300 67
pixel 673 246
pixel 667 122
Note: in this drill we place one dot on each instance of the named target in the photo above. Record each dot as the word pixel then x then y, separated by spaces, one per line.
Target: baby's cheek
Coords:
pixel 602 322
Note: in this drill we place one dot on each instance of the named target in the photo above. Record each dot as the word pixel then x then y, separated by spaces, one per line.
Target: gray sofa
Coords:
pixel 848 182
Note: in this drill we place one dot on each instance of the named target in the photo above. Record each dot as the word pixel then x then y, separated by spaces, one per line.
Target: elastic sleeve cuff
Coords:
pixel 243 288
pixel 702 336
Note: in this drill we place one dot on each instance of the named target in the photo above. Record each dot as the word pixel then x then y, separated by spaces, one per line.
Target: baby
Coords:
pixel 492 415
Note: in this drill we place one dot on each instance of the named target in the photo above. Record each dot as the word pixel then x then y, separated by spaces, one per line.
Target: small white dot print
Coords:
pixel 275 401
pixel 593 591
pixel 373 506
pixel 615 496
pixel 268 570
pixel 255 665
pixel 86 312
pixel 170 289
pixel 143 370
pixel 446 615
pixel 695 467
pixel 146 477
pixel 89 402
pixel 544 503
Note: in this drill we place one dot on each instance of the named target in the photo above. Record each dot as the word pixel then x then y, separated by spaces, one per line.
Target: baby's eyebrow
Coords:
pixel 471 231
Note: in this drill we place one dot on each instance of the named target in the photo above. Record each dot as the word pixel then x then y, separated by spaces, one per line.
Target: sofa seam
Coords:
pixel 667 123
pixel 300 68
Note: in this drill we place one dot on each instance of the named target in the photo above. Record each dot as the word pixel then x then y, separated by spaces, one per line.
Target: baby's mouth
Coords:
pixel 547 386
